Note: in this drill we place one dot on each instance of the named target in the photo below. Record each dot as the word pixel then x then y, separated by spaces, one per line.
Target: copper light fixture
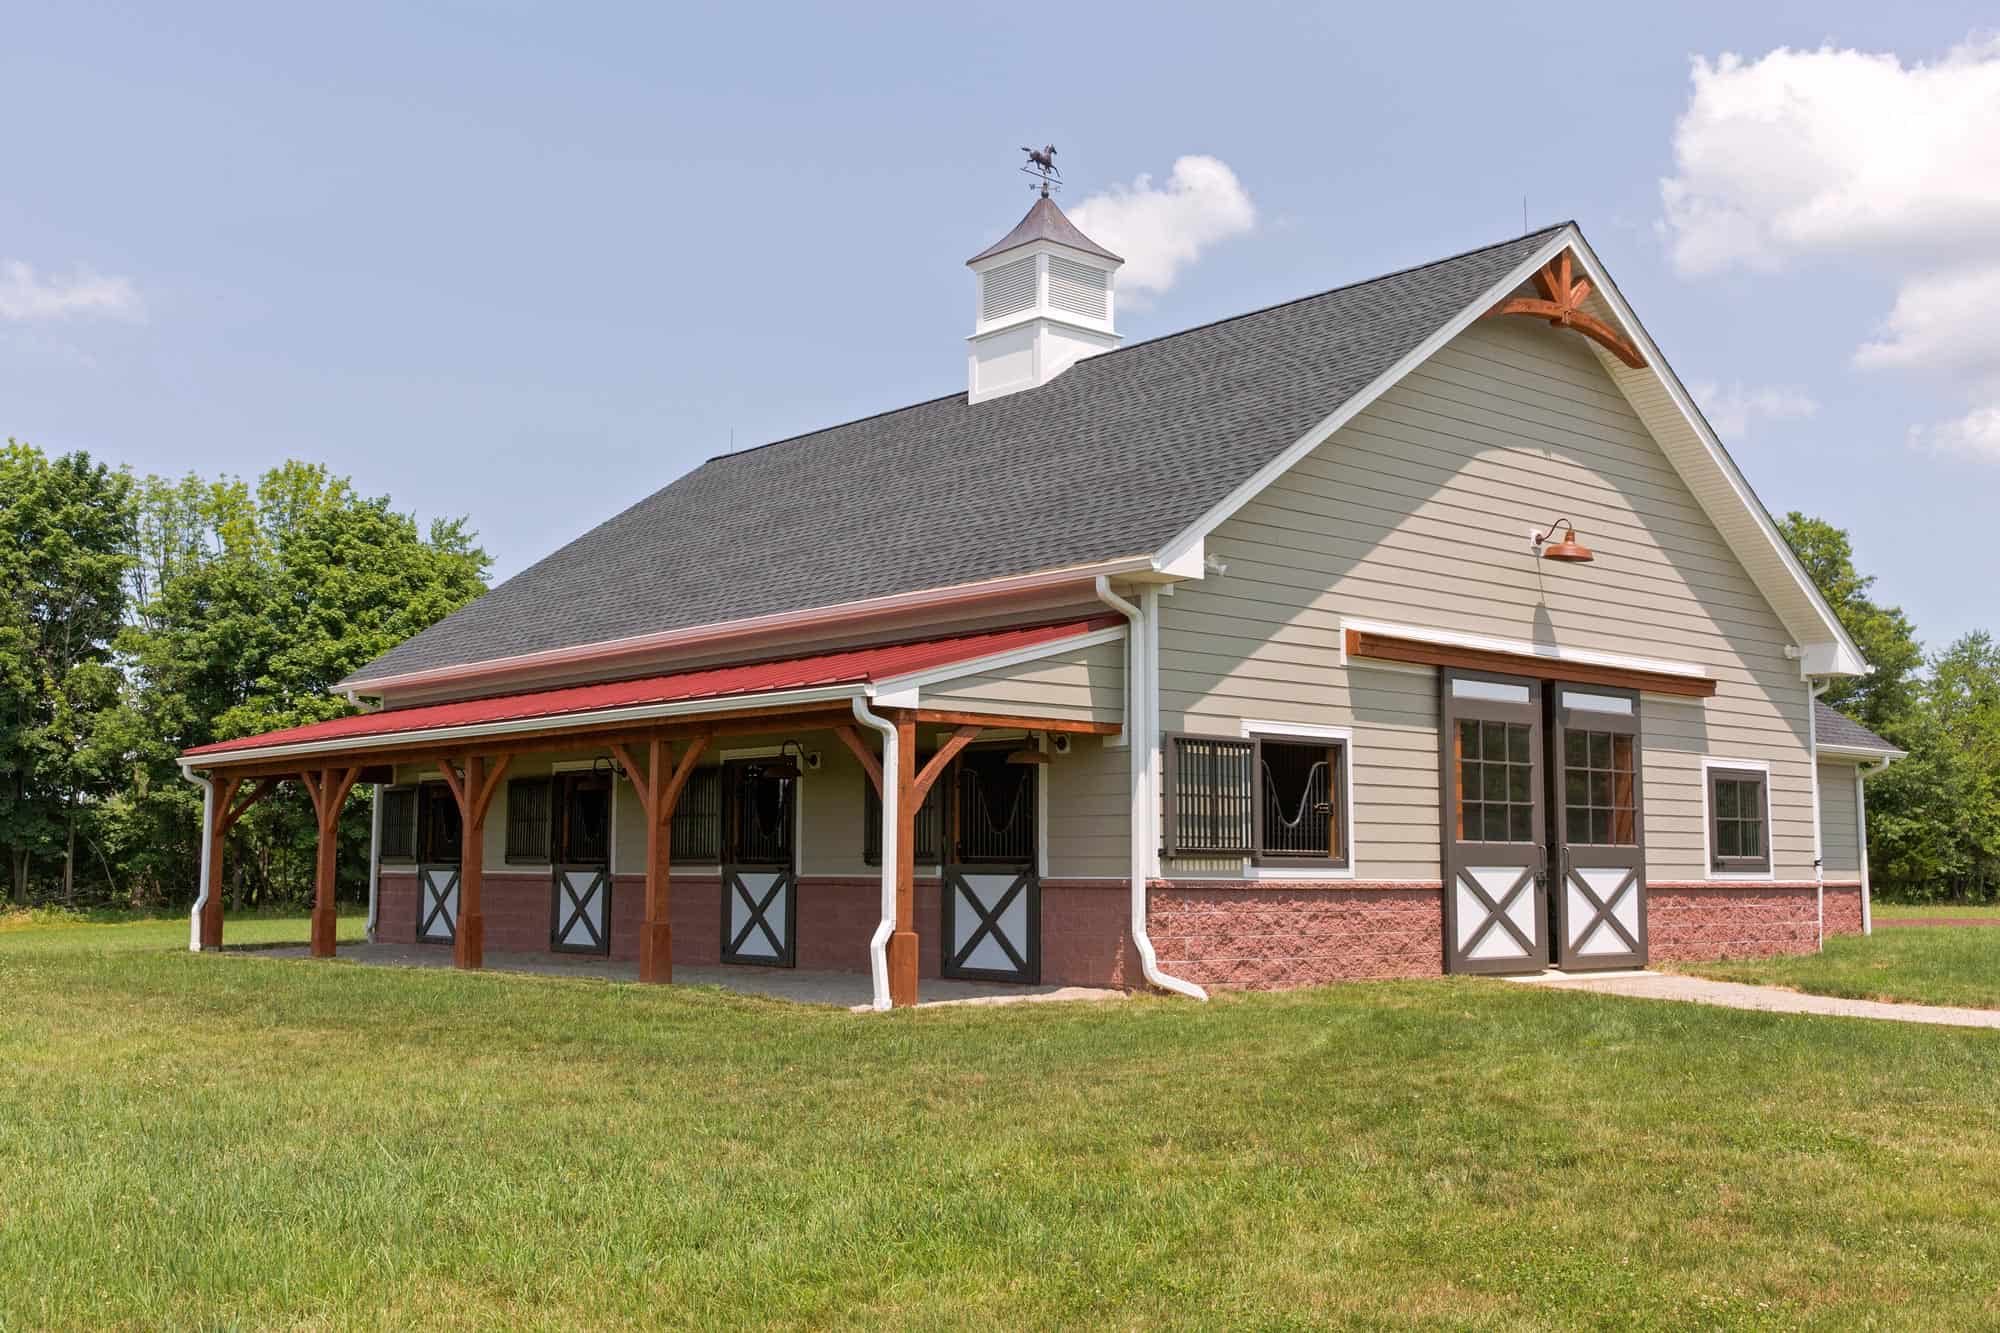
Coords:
pixel 1569 550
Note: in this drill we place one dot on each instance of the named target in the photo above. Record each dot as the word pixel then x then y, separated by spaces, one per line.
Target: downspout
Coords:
pixel 1140 738
pixel 374 858
pixel 878 944
pixel 1813 692
pixel 207 844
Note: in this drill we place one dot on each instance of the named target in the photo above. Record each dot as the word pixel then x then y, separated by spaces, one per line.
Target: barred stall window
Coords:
pixel 399 823
pixel 528 823
pixel 440 836
pixel 1279 801
pixel 582 818
pixel 697 824
pixel 930 822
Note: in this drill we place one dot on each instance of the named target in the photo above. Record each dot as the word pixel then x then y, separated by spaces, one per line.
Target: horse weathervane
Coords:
pixel 1042 166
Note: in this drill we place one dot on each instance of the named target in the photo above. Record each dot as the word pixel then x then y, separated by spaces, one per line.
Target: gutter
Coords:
pixel 1862 772
pixel 207 850
pixel 1141 741
pixel 878 943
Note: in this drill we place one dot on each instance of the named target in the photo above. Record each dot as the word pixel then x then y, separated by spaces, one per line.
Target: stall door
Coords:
pixel 759 877
pixel 1599 833
pixel 1495 895
pixel 438 846
pixel 992 909
pixel 580 897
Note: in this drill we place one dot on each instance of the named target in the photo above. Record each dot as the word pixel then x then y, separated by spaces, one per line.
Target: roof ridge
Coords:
pixel 1102 357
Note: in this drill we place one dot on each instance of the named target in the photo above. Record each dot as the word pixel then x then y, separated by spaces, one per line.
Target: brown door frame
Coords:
pixel 1528 860
pixel 1573 891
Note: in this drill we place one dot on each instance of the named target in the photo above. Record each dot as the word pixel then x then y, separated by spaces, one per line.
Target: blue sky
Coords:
pixel 530 263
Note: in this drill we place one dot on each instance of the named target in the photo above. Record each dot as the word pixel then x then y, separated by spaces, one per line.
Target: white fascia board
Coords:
pixel 730 629
pixel 1174 550
pixel 1519 647
pixel 530 725
pixel 1042 245
pixel 916 680
pixel 1839 655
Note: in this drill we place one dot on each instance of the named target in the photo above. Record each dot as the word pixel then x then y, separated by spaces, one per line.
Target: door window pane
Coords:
pixel 1495 782
pixel 1600 781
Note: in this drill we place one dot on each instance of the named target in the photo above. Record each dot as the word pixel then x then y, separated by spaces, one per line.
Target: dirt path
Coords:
pixel 1770 999
pixel 1882 923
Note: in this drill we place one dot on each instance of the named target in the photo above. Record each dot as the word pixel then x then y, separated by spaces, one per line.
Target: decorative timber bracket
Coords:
pixel 1561 304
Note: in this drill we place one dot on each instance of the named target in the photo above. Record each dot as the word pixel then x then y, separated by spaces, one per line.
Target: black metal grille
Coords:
pixel 1298 806
pixel 399 823
pixel 583 837
pixel 930 823
pixel 528 808
pixel 1211 799
pixel 697 826
pixel 996 810
pixel 439 835
pixel 758 817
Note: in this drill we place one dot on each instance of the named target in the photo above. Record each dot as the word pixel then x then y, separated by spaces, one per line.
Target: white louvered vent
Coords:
pixel 1008 290
pixel 1078 288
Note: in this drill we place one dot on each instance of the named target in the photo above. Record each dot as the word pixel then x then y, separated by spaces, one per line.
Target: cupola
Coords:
pixel 1044 293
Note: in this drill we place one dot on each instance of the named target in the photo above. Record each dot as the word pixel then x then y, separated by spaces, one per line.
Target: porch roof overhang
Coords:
pixel 775 692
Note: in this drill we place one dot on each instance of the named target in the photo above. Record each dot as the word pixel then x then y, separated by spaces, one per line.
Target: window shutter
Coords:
pixel 1210 798
pixel 1008 290
pixel 528 822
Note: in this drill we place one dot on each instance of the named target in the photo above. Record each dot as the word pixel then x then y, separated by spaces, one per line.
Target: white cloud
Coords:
pixel 1975 435
pixel 1858 158
pixel 25 295
pixel 1731 410
pixel 1161 229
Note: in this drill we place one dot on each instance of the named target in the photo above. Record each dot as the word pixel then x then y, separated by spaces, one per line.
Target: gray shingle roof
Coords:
pixel 1832 728
pixel 1044 222
pixel 1112 458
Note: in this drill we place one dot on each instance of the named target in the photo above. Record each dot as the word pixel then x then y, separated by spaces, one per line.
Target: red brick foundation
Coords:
pixel 1259 936
pixel 1843 909
pixel 1686 924
pixel 1084 937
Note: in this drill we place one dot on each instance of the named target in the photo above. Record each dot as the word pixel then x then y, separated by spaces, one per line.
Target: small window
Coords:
pixel 399 823
pixel 930 822
pixel 1738 820
pixel 697 822
pixel 1282 801
pixel 528 821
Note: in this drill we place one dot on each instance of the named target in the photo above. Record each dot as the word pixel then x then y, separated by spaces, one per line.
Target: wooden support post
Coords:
pixel 472 787
pixel 903 943
pixel 226 810
pixel 659 788
pixel 328 789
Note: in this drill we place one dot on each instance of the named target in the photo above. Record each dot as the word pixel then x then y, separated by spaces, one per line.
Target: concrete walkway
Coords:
pixel 1769 999
pixel 850 990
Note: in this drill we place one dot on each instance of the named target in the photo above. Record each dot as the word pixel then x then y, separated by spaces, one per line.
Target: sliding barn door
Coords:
pixel 1599 829
pixel 1495 894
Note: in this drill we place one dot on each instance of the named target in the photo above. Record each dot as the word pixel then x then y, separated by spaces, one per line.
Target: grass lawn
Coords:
pixel 1956 911
pixel 1921 965
pixel 238 1141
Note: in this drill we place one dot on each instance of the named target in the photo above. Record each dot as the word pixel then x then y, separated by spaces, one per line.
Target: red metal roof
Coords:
pixel 851 667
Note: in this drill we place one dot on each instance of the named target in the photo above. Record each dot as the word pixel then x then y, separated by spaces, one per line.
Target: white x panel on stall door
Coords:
pixel 437 903
pixel 759 916
pixel 1602 910
pixel 1496 912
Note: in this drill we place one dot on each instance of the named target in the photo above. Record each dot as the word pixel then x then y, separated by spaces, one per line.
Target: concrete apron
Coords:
pixel 848 990
pixel 1767 999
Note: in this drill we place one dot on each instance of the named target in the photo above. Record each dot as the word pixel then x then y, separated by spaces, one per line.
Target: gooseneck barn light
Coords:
pixel 1569 550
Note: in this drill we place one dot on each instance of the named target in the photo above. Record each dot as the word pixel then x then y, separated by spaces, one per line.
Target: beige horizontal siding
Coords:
pixel 1089 810
pixel 1081 685
pixel 1839 839
pixel 1419 512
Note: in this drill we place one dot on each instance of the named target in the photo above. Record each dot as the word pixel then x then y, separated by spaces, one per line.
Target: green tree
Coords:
pixel 250 606
pixel 1881 700
pixel 66 530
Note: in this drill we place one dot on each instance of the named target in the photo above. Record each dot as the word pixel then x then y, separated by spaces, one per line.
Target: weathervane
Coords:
pixel 1042 166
